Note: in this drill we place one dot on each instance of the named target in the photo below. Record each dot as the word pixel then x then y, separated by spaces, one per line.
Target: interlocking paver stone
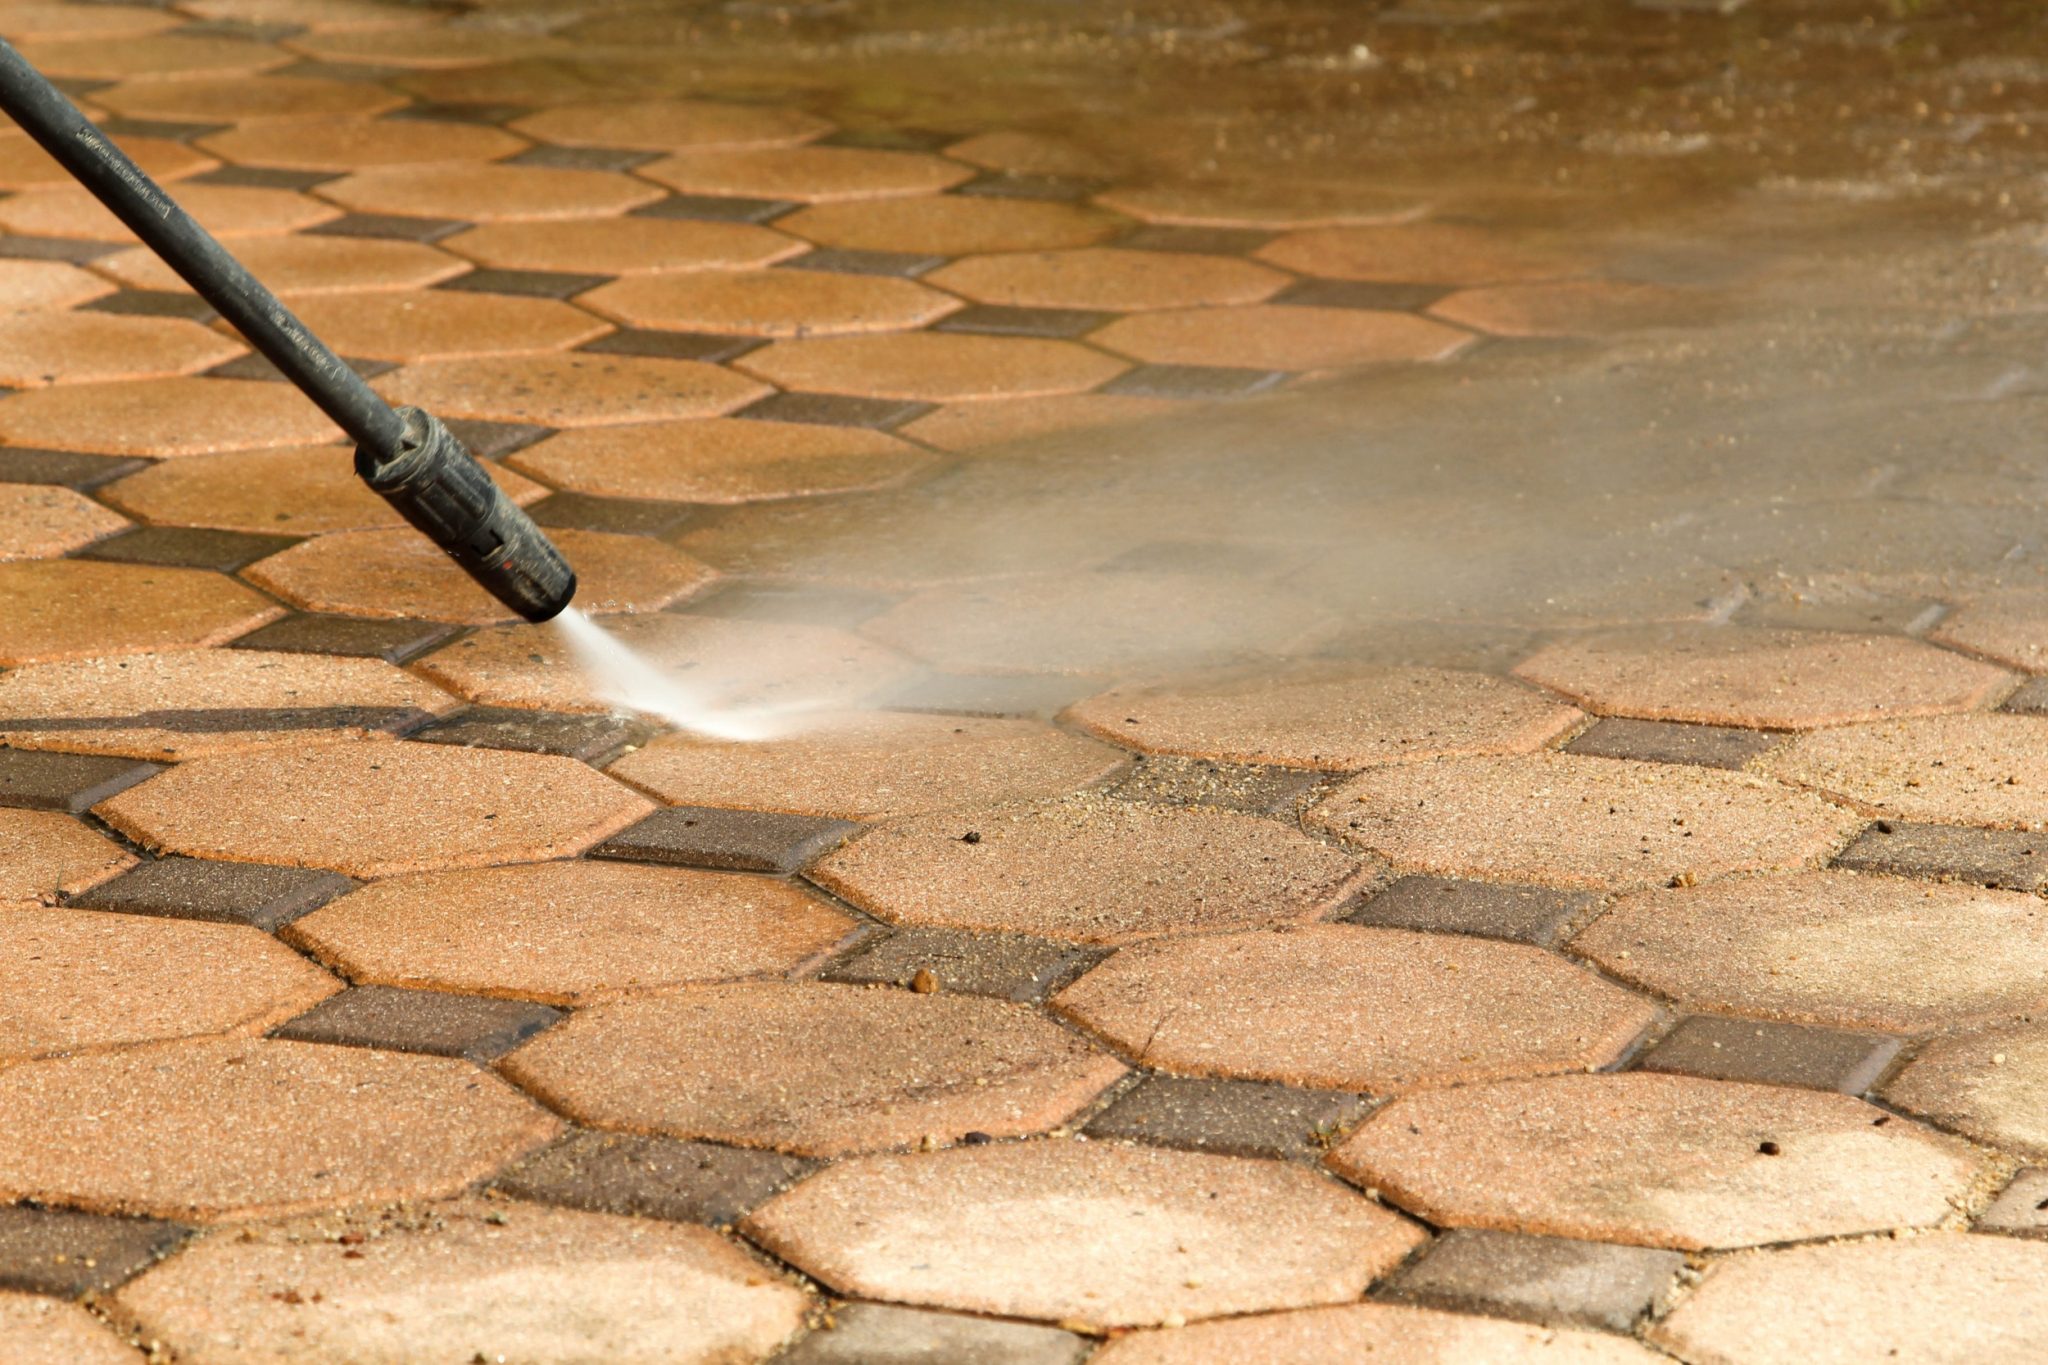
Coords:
pixel 622 246
pixel 932 366
pixel 348 636
pixel 1418 253
pixel 209 1130
pixel 373 810
pixel 768 303
pixel 1946 1298
pixel 2023 1208
pixel 230 212
pixel 38 285
pixel 551 1286
pixel 1571 308
pixel 569 933
pixel 1231 1118
pixel 806 174
pixel 79 980
pixel 434 1022
pixel 585 389
pixel 1541 1279
pixel 1361 1331
pixel 39 349
pixel 1250 788
pixel 667 124
pixel 1089 1233
pixel 1657 741
pixel 1948 770
pixel 303 265
pixel 227 893
pixel 1559 819
pixel 588 738
pixel 45 854
pixel 443 324
pixel 1353 719
pixel 71 609
pixel 1280 337
pixel 39 1331
pixel 1779 679
pixel 184 547
pixel 652 1177
pixel 2006 627
pixel 168 55
pixel 995 421
pixel 885 1334
pixel 1228 204
pixel 40 521
pixel 1992 1086
pixel 1089 870
pixel 1345 1007
pixel 1008 966
pixel 1110 278
pixel 1667 1161
pixel 814 1068
pixel 348 144
pixel 1834 948
pixel 2012 859
pixel 488 192
pixel 951 225
pixel 721 460
pixel 1532 914
pixel 163 417
pixel 64 782
pixel 65 1253
pixel 1768 1053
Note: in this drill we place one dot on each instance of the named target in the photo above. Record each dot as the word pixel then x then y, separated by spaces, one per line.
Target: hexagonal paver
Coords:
pixel 1833 948
pixel 486 192
pixel 298 491
pixel 1269 336
pixel 1419 253
pixel 208 701
pixel 1992 1086
pixel 864 766
pixel 569 390
pixel 26 166
pixel 41 521
pixel 769 303
pixel 1261 204
pixel 1362 1331
pixel 1946 1299
pixel 1571 308
pixel 622 246
pixel 1092 1233
pixel 77 609
pixel 247 99
pixel 815 1069
pixel 1780 679
pixel 951 225
pixel 82 348
pixel 569 933
pixel 372 810
pixel 1656 1160
pixel 2008 627
pixel 666 124
pixel 751 665
pixel 1343 1007
pixel 1088 869
pixel 719 460
pixel 78 980
pixel 30 20
pixel 153 55
pixel 444 324
pixel 39 1331
pixel 318 15
pixel 971 426
pixel 1950 770
pixel 1338 721
pixel 164 417
pixel 806 174
pixel 400 573
pixel 351 144
pixel 1563 820
pixel 250 1128
pixel 1024 153
pixel 1109 278
pixel 26 285
pixel 490 1278
pixel 230 212
pixel 302 264
pixel 45 854
pixel 932 366
pixel 452 47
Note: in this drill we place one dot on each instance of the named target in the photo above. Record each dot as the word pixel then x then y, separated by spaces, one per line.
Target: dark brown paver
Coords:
pixel 730 840
pixel 625 516
pixel 588 738
pixel 1008 966
pixel 2012 859
pixel 353 636
pixel 1230 1118
pixel 1656 741
pixel 1548 1280
pixel 836 409
pixel 1529 914
pixel 1368 1331
pixel 887 1334
pixel 267 898
pixel 65 1253
pixel 1769 1053
pixel 2022 1208
pixel 65 782
pixel 188 547
pixel 432 1022
pixel 653 1177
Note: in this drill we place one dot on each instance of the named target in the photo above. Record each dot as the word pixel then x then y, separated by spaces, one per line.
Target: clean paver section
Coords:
pixel 1362 1331
pixel 1945 770
pixel 1991 1086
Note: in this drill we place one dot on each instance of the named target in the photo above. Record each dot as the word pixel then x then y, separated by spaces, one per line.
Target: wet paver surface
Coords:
pixel 1370 676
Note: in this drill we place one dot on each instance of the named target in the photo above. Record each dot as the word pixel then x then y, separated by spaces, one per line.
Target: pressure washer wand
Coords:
pixel 404 453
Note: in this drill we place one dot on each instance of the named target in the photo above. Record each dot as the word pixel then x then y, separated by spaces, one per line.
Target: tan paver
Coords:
pixel 2009 627
pixel 299 265
pixel 1992 1086
pixel 722 461
pixel 1951 770
pixel 26 285
pixel 1658 1161
pixel 1089 1232
pixel 1271 336
pixel 1420 253
pixel 26 166
pixel 37 349
pixel 1779 679
pixel 230 212
pixel 452 47
pixel 444 324
pixel 769 303
pixel 622 246
pixel 1260 204
pixel 399 572
pixel 752 664
pixel 1570 308
pixel 1089 869
pixel 203 1131
pixel 484 192
pixel 1833 948
pixel 1945 1299
pixel 544 1285
pixel 305 490
pixel 806 174
pixel 867 766
pixel 1560 819
pixel 569 390
pixel 79 980
pixel 317 14
pixel 44 854
pixel 58 20
pixel 207 701
pixel 1336 720
pixel 664 124
pixel 951 225
pixel 1342 1007
pixel 1363 1331
pixel 569 933
pixel 816 1069
pixel 372 810
pixel 1023 153
pixel 351 144
pixel 39 1331
pixel 247 99
pixel 932 366
pixel 156 56
pixel 41 521
pixel 77 609
pixel 977 425
pixel 1110 278
pixel 164 417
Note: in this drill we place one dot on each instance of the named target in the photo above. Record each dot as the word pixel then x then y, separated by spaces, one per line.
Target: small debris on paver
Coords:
pixel 266 898
pixel 888 1334
pixel 1230 1118
pixel 653 1177
pixel 2022 1208
pixel 1547 1280
pixel 1656 741
pixel 730 840
pixel 1767 1053
pixel 1008 966
pixel 65 1253
pixel 433 1022
pixel 2010 859
pixel 1527 914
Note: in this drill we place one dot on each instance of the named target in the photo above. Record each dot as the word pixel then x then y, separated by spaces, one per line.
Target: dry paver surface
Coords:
pixel 1101 492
